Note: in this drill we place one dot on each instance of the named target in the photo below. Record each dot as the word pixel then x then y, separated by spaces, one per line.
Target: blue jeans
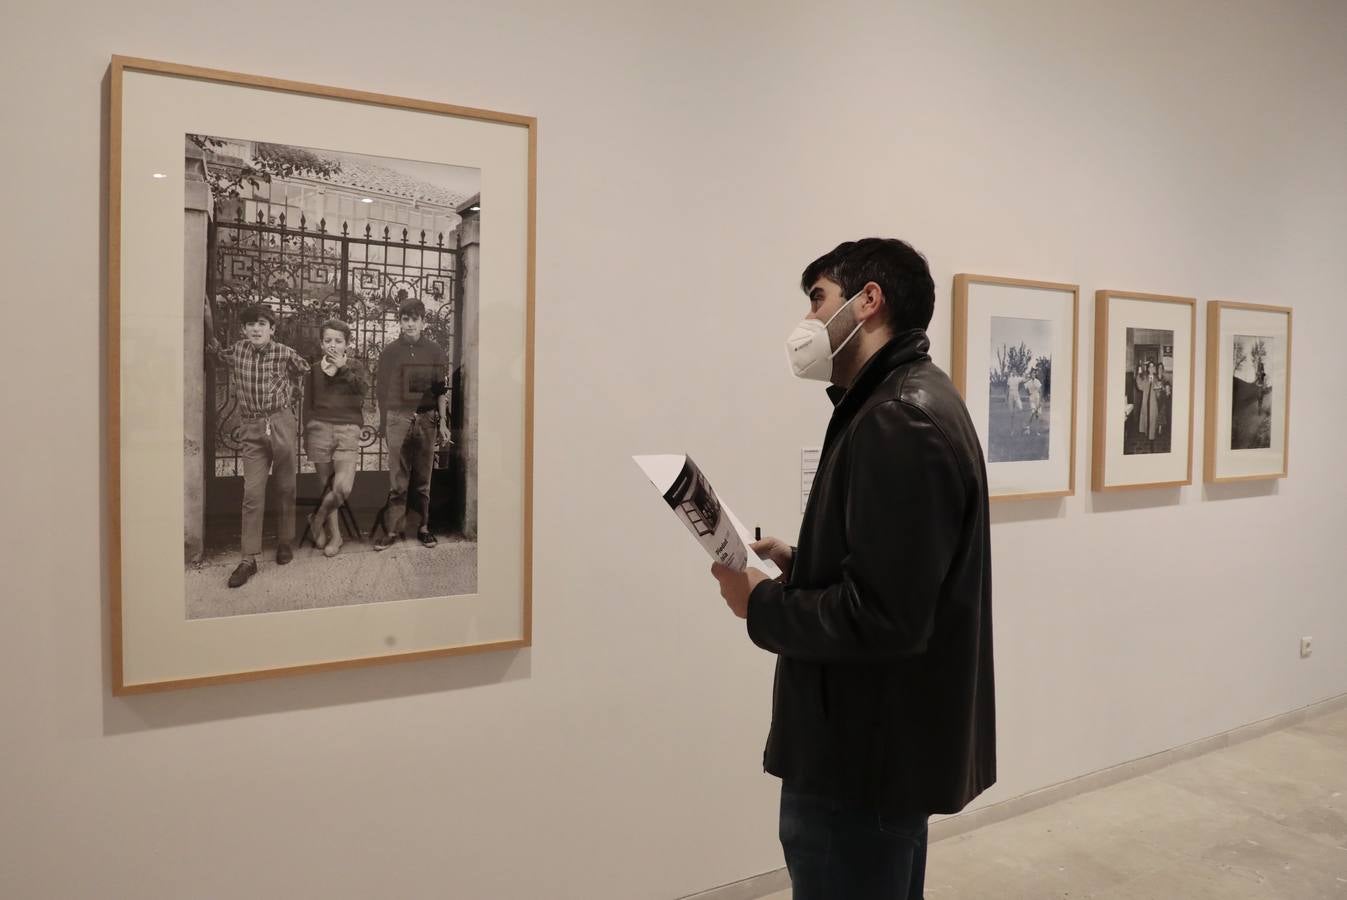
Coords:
pixel 839 852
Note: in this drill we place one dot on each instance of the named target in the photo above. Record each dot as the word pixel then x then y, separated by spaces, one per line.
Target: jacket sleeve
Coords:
pixel 905 508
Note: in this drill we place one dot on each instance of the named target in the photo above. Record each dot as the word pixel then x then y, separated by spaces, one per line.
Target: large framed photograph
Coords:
pixel 1143 390
pixel 320 334
pixel 1248 391
pixel 1015 364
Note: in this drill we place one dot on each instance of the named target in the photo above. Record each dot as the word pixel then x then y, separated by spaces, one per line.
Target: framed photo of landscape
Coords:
pixel 1143 390
pixel 1248 391
pixel 1015 345
pixel 320 320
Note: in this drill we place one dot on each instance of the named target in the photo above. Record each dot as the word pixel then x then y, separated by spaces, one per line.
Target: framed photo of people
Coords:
pixel 1248 391
pixel 1143 390
pixel 1015 363
pixel 320 330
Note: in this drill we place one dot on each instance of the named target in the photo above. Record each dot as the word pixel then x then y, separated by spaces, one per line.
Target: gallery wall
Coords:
pixel 692 158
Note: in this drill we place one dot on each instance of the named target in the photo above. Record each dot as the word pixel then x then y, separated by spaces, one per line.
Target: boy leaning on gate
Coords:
pixel 411 388
pixel 263 374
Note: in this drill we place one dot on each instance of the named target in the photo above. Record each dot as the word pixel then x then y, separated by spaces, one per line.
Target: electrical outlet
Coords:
pixel 1306 646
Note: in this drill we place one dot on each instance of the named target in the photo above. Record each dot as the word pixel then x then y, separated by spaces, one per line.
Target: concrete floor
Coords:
pixel 1266 818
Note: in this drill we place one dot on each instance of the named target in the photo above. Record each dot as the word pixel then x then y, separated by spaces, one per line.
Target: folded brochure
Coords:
pixel 693 500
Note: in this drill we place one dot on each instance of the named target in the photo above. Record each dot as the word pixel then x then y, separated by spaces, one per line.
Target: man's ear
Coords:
pixel 869 303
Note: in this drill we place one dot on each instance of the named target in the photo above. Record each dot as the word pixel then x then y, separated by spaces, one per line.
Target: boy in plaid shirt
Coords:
pixel 262 377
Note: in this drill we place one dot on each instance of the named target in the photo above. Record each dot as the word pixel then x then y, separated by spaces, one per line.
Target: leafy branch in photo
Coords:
pixel 227 178
pixel 1011 361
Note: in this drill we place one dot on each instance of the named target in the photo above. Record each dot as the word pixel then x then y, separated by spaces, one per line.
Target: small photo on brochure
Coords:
pixel 692 500
pixel 688 493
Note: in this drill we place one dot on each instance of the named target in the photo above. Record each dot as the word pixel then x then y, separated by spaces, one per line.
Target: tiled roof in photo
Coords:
pixel 367 176
pixel 357 173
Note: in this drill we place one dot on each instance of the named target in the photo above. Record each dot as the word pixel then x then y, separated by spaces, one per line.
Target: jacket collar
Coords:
pixel 905 347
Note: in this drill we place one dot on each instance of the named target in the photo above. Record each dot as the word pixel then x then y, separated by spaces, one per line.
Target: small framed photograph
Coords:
pixel 1015 364
pixel 320 334
pixel 1248 391
pixel 1143 390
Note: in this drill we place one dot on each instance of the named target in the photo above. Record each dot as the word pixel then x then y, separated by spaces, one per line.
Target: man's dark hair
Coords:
pixel 901 273
pixel 413 308
pixel 336 325
pixel 256 312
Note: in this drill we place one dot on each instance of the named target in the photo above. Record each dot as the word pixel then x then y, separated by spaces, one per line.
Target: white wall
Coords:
pixel 693 157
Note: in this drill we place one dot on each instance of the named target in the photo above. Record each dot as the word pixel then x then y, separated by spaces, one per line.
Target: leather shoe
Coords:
pixel 284 554
pixel 245 570
pixel 427 539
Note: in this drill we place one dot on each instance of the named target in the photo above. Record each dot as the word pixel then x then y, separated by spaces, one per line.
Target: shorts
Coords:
pixel 326 442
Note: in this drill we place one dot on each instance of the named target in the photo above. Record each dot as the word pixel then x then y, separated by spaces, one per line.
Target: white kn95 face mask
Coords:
pixel 808 350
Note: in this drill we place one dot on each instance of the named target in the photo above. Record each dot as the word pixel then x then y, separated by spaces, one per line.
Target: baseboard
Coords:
pixel 777 880
pixel 748 889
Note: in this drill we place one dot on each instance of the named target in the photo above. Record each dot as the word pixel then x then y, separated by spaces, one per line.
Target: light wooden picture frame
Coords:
pixel 244 214
pixel 1248 391
pixel 1144 386
pixel 1015 348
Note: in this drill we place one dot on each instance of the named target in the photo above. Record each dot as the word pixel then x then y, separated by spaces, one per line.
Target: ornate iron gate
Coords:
pixel 308 275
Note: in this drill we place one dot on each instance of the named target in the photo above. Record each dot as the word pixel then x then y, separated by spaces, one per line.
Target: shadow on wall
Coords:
pixel 212 703
pixel 1027 510
pixel 1134 499
pixel 1242 490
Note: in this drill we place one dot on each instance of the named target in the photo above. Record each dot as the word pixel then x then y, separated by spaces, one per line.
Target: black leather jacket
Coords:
pixel 884 692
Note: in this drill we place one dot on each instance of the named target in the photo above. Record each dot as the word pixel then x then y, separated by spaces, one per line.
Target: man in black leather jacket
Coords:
pixel 883 710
